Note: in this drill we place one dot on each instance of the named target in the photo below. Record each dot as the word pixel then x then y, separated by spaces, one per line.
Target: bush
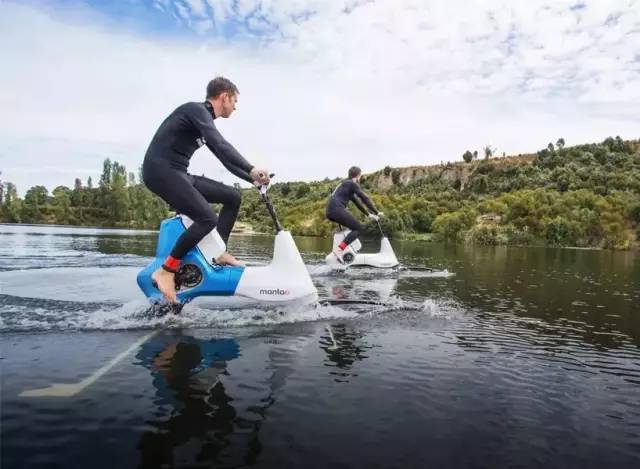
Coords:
pixel 491 235
pixel 562 232
pixel 450 226
pixel 634 214
pixel 484 235
pixel 422 221
pixel 515 235
pixel 302 190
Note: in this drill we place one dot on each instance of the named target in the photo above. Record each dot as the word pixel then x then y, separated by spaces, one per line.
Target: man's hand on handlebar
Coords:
pixel 260 176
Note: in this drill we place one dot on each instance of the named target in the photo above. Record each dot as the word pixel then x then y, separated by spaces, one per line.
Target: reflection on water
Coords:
pixel 343 346
pixel 187 373
pixel 525 357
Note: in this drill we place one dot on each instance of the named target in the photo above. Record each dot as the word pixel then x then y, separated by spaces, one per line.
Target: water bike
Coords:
pixel 284 280
pixel 384 259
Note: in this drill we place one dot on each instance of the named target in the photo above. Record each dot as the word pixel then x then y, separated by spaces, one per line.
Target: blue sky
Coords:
pixel 226 21
pixel 324 84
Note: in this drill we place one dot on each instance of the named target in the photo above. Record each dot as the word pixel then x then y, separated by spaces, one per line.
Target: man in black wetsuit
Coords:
pixel 349 191
pixel 164 172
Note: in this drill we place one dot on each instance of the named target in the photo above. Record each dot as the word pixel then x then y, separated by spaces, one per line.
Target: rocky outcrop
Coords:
pixel 457 174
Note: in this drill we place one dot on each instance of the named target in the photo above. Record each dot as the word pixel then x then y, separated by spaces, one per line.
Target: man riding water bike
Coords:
pixel 164 172
pixel 349 191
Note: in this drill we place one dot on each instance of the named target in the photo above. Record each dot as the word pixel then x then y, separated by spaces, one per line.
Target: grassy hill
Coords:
pixel 585 195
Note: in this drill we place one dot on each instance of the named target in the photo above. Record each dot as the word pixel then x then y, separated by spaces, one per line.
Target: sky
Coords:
pixel 324 84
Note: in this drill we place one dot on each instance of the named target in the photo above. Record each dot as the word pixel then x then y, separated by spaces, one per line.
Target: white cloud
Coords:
pixel 389 82
pixel 198 8
pixel 183 13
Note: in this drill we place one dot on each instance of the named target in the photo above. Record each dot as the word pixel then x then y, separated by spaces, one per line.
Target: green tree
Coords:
pixel 467 156
pixel 62 204
pixel 77 193
pixel 34 206
pixel 105 178
pixel 634 213
pixel 562 232
pixel 11 210
pixel 303 190
pixel 285 189
pixel 452 225
pixel 118 200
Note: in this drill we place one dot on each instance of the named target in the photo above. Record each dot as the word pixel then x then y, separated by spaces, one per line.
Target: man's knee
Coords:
pixel 207 223
pixel 235 199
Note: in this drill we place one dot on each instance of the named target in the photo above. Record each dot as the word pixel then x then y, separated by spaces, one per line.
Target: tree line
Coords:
pixel 116 201
pixel 585 195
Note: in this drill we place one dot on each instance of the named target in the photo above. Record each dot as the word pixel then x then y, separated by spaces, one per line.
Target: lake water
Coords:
pixel 506 357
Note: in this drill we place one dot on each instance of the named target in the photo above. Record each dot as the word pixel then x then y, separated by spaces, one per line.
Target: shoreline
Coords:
pixel 247 230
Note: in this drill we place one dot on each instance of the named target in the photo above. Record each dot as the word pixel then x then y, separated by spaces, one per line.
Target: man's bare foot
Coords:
pixel 166 284
pixel 227 259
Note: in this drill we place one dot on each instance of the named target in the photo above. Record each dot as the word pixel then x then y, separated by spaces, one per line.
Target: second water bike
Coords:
pixel 384 259
pixel 284 280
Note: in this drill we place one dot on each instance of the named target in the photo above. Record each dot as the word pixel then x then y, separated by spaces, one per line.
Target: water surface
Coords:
pixel 524 357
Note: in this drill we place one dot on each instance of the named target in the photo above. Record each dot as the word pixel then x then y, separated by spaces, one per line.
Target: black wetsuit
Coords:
pixel 348 191
pixel 165 172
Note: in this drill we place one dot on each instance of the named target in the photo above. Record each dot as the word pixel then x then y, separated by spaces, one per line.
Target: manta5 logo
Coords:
pixel 274 291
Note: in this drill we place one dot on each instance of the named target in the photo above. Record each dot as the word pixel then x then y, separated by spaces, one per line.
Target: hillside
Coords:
pixel 585 195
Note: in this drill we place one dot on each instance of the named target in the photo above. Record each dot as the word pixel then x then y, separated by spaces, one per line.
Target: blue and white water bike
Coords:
pixel 284 280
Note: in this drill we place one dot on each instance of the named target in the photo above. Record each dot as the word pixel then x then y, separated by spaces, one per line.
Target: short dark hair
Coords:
pixel 354 171
pixel 220 85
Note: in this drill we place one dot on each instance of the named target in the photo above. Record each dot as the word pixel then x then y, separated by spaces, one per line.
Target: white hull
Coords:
pixel 384 259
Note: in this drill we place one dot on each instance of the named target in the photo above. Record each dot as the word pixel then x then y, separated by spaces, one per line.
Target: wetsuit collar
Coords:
pixel 208 105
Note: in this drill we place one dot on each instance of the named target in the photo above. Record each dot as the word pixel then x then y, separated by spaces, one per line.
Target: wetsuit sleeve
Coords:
pixel 241 173
pixel 224 151
pixel 357 203
pixel 358 194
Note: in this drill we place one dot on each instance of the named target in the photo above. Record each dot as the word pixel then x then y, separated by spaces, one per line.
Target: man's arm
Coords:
pixel 224 151
pixel 241 173
pixel 357 203
pixel 357 193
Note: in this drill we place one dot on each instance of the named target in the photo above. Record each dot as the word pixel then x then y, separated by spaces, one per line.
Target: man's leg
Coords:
pixel 187 200
pixel 177 189
pixel 230 198
pixel 343 217
pixel 216 192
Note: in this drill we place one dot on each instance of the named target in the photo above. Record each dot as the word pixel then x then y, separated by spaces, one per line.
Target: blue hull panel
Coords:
pixel 216 281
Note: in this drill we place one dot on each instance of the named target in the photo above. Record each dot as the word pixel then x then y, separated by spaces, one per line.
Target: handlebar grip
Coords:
pixel 262 187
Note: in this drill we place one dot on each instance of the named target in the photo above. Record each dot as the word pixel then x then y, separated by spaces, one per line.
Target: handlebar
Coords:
pixel 263 187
